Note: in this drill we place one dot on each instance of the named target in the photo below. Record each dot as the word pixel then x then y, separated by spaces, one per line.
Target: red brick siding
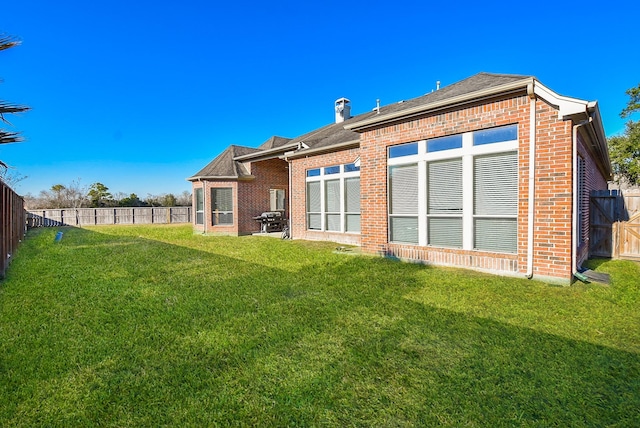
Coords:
pixel 552 244
pixel 208 228
pixel 253 196
pixel 250 197
pixel 594 180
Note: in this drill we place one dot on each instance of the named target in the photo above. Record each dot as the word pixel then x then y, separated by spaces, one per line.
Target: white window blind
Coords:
pixel 403 219
pixel 222 205
pixel 496 202
pixel 314 205
pixel 332 204
pixel 352 204
pixel 496 184
pixel 404 189
pixel 444 203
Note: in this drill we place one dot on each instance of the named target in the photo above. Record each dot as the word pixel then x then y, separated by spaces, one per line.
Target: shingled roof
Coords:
pixel 224 166
pixel 340 134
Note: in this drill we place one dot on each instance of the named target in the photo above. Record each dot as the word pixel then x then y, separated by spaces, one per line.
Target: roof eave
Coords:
pixel 439 105
pixel 320 150
pixel 266 154
pixel 220 178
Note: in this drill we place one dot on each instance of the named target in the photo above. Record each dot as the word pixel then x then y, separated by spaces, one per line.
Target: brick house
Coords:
pixel 490 173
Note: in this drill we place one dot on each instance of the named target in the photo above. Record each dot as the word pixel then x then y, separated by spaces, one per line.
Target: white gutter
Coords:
pixel 290 196
pixel 576 198
pixel 334 147
pixel 532 177
pixel 266 153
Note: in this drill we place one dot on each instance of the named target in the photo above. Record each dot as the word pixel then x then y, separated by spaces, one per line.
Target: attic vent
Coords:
pixel 343 110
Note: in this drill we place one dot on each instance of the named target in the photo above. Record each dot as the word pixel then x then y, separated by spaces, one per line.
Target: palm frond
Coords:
pixel 10 137
pixel 7 42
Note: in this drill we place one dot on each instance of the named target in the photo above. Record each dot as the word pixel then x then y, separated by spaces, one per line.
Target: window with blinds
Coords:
pixel 444 203
pixel 221 206
pixel 352 204
pixel 333 198
pixel 403 203
pixel 456 191
pixel 199 195
pixel 496 202
pixel 332 205
pixel 314 206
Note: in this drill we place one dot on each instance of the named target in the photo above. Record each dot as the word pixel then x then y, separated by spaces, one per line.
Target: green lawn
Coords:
pixel 156 326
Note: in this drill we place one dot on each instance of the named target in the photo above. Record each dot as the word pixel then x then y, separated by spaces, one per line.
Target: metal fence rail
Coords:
pixel 12 230
pixel 104 216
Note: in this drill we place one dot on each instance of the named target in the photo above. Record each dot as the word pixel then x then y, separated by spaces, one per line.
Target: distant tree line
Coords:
pixel 74 195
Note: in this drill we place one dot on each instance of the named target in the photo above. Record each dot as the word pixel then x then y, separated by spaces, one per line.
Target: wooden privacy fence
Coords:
pixel 615 224
pixel 103 216
pixel 13 224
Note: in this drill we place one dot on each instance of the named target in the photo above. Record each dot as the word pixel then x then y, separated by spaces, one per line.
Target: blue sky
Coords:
pixel 140 95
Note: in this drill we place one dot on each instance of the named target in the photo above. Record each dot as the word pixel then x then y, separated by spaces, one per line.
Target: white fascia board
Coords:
pixel 266 153
pixel 320 150
pixel 220 178
pixel 566 106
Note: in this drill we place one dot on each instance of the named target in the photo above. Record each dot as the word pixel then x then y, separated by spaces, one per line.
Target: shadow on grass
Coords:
pixel 119 329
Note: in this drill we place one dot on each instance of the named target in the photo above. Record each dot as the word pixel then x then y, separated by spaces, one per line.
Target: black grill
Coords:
pixel 270 221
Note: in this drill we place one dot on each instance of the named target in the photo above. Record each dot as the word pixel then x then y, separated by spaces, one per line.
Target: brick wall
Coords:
pixel 594 180
pixel 552 244
pixel 251 197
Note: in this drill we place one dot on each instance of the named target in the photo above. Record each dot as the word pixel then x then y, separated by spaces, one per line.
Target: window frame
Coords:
pixel 276 196
pixel 198 196
pixel 330 174
pixel 467 153
pixel 217 213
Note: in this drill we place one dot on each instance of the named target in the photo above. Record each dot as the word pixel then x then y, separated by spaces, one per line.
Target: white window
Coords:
pixel 403 203
pixel 444 203
pixel 221 206
pixel 276 199
pixel 495 202
pixel 352 204
pixel 314 206
pixel 333 198
pixel 457 191
pixel 199 206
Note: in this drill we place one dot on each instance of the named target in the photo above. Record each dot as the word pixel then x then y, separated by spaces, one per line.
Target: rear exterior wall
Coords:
pixel 553 184
pixel 251 197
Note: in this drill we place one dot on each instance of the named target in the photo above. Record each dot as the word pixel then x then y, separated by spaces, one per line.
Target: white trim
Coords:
pixel 566 106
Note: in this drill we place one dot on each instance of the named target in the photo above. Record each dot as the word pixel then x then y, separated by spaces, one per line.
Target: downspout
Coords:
pixel 204 207
pixel 290 196
pixel 576 198
pixel 532 178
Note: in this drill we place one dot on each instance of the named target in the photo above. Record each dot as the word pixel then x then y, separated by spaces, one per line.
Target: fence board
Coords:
pixel 12 228
pixel 104 216
pixel 615 224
